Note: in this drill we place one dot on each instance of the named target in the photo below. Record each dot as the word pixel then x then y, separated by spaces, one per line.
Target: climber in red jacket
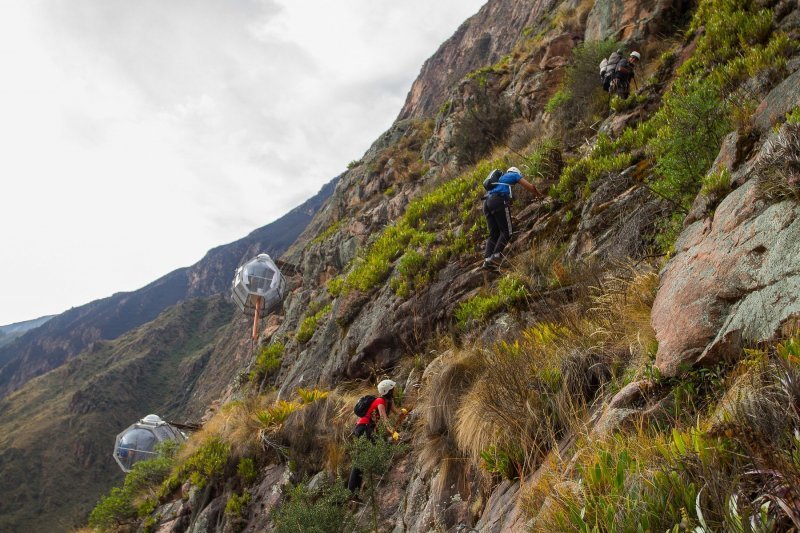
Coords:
pixel 378 411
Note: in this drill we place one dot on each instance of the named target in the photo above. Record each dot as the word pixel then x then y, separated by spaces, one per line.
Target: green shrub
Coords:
pixel 691 124
pixel 276 414
pixel 112 510
pixel 373 458
pixel 320 511
pixel 716 183
pixel 119 505
pixel 309 324
pixel 335 286
pixel 328 232
pixel 246 470
pixel 544 160
pixel 268 362
pixel 669 229
pixel 510 292
pixel 207 463
pixel 308 396
pixel 581 95
pixel 559 99
pixel 602 160
pixel 500 462
pixel 623 104
pixel 237 506
pixel 793 117
pixel 414 234
pixel 482 125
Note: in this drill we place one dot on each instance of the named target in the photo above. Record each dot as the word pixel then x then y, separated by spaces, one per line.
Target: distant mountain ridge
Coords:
pixel 12 331
pixel 66 335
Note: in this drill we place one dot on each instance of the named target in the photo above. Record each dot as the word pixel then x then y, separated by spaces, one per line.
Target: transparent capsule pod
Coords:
pixel 138 442
pixel 258 286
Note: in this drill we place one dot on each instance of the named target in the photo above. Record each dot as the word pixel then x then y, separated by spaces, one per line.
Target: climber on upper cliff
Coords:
pixel 624 72
pixel 497 209
pixel 378 411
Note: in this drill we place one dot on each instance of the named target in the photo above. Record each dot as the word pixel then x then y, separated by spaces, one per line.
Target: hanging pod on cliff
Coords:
pixel 258 288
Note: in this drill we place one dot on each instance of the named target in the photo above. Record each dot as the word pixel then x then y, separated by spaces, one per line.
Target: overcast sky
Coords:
pixel 138 134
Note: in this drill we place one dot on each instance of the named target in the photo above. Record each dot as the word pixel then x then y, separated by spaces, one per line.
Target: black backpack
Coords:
pixel 492 179
pixel 362 405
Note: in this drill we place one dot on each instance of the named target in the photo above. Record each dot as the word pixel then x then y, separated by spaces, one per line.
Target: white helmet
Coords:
pixel 386 386
pixel 637 55
pixel 514 169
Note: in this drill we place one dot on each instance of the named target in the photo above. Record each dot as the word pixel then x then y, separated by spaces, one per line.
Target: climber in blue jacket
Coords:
pixel 497 209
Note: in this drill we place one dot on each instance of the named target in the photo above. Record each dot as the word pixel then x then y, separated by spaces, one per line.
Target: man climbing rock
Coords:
pixel 624 73
pixel 497 209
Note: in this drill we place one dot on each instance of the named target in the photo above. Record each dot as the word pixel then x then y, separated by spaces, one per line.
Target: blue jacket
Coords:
pixel 503 188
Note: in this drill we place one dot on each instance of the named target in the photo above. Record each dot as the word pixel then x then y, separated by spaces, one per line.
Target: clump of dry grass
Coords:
pixel 261 424
pixel 778 167
pixel 621 305
pixel 445 381
pixel 736 464
pixel 528 395
pixel 517 400
pixel 236 423
pixel 544 265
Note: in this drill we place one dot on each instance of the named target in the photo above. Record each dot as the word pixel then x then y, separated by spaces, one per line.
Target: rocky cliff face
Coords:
pixel 565 392
pixel 712 294
pixel 734 279
pixel 480 41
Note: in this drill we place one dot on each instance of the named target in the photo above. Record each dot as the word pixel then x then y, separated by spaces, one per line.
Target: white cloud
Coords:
pixel 137 135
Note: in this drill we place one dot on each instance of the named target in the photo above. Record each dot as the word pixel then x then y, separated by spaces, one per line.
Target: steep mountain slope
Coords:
pixel 67 334
pixel 56 433
pixel 481 40
pixel 635 365
pixel 12 331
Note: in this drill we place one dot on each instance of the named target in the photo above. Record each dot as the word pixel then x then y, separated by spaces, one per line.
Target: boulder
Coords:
pixel 629 20
pixel 781 100
pixel 503 512
pixel 734 278
pixel 266 497
pixel 558 51
pixel 207 520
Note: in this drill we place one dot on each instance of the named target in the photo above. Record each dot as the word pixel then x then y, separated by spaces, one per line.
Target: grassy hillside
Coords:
pixel 57 433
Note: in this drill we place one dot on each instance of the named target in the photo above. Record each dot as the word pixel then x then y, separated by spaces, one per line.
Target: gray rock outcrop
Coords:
pixel 734 278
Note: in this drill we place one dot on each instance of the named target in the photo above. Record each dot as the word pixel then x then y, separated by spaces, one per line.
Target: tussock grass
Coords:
pixel 778 168
pixel 621 306
pixel 733 466
pixel 445 380
pixel 507 406
pixel 261 428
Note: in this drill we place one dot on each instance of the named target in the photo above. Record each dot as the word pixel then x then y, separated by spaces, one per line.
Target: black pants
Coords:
pixel 354 482
pixel 622 87
pixel 497 210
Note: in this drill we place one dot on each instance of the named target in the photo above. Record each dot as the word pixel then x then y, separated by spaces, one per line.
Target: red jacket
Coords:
pixel 373 414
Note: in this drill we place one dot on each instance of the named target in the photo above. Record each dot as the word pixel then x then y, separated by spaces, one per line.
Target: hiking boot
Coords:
pixel 354 502
pixel 491 263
